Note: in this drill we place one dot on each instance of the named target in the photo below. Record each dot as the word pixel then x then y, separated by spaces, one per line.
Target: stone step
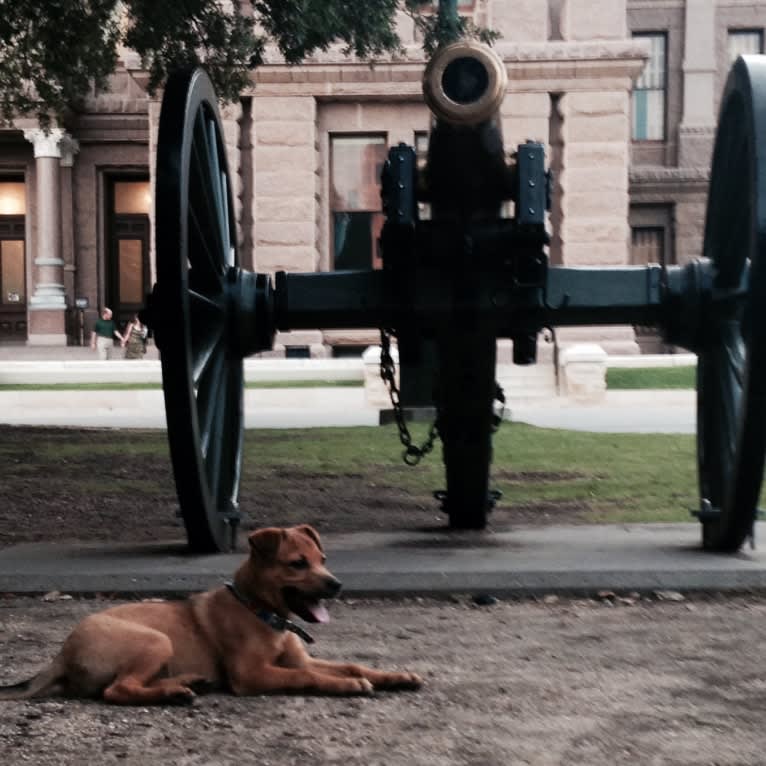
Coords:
pixel 529 382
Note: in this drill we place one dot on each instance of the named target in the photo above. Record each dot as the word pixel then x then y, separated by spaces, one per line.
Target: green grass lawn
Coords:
pixel 618 477
pixel 651 377
pixel 606 477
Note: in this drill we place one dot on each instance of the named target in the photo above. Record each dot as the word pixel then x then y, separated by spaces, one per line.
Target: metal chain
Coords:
pixel 412 454
pixel 498 410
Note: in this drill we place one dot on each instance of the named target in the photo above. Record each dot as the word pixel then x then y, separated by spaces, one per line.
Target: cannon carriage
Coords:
pixel 450 287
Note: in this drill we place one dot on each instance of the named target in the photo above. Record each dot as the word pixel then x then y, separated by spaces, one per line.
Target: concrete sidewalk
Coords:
pixel 528 561
pixel 620 411
pixel 264 408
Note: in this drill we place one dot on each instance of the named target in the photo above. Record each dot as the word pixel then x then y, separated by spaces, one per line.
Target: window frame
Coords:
pixel 649 34
pixel 733 32
pixel 375 259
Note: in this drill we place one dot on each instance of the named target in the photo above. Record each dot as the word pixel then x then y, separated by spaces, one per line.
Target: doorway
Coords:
pixel 127 269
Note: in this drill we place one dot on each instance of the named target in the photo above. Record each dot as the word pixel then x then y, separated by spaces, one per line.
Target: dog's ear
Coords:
pixel 264 543
pixel 309 531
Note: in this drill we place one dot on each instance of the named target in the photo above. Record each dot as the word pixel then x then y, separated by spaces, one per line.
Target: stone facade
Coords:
pixel 571 67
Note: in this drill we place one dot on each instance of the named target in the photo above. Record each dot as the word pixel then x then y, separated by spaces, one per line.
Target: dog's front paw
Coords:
pixel 181 696
pixel 359 686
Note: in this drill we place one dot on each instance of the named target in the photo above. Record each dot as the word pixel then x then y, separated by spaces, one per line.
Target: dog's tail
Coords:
pixel 46 683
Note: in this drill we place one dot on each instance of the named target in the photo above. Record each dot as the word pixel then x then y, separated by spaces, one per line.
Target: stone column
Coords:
pixel 594 210
pixel 697 129
pixel 593 133
pixel 47 303
pixel 285 193
pixel 285 182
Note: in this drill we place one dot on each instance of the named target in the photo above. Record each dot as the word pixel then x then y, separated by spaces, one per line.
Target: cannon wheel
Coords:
pixel 196 254
pixel 731 373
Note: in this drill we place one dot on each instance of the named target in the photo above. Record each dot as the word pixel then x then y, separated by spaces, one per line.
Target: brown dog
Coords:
pixel 236 637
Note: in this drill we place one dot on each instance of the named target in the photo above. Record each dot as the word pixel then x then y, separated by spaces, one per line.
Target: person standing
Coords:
pixel 134 338
pixel 104 332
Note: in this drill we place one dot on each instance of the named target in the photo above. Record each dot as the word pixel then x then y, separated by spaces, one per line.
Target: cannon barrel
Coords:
pixel 466 176
pixel 464 83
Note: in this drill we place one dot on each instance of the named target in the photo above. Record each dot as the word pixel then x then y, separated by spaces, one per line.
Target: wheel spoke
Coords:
pixel 209 394
pixel 204 260
pixel 207 331
pixel 220 199
pixel 229 255
pixel 204 190
pixel 231 459
pixel 734 244
pixel 214 465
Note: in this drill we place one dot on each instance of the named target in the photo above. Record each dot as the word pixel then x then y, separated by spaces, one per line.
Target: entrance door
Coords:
pixel 13 291
pixel 127 273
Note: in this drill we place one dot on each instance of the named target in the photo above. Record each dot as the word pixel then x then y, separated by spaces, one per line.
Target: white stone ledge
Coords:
pixel 150 371
pixel 653 360
pixel 272 370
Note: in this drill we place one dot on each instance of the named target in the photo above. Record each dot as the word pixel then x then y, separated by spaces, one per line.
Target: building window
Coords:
pixel 13 199
pixel 745 41
pixel 127 273
pixel 647 245
pixel 357 217
pixel 649 92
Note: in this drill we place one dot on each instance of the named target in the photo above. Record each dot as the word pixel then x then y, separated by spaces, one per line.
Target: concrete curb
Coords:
pixel 527 562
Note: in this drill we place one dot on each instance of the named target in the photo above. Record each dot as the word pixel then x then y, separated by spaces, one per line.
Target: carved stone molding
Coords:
pixel 55 142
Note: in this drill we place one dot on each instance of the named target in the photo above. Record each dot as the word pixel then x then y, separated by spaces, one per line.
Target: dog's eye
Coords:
pixel 300 563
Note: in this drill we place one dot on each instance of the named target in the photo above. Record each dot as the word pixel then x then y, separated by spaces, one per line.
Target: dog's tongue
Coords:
pixel 319 612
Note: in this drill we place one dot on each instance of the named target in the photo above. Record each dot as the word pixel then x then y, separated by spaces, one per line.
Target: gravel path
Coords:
pixel 563 682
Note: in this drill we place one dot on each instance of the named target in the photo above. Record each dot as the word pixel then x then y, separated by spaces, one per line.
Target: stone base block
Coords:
pixel 614 339
pixel 375 390
pixel 582 372
pixel 47 339
pixel 47 327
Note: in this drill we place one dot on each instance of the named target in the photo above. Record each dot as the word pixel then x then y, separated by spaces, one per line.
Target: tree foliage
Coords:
pixel 54 53
pixel 436 29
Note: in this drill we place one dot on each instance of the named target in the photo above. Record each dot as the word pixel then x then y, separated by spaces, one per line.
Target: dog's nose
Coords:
pixel 333 587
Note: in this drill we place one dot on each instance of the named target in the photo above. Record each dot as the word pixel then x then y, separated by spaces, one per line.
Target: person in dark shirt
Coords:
pixel 104 332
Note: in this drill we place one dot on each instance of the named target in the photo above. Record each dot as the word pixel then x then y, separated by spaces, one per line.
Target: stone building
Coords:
pixel 623 92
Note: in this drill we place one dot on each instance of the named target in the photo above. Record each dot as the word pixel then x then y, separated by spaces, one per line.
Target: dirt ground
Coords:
pixel 567 682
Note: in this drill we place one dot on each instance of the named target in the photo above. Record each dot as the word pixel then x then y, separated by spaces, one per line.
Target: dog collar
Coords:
pixel 272 619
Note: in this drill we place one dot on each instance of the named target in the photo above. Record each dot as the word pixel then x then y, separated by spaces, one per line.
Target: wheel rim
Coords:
pixel 731 375
pixel 196 267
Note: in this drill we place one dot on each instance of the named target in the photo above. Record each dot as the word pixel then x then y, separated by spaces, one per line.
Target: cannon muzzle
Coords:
pixel 464 83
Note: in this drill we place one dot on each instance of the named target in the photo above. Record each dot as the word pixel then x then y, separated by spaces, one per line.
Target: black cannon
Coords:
pixel 450 287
